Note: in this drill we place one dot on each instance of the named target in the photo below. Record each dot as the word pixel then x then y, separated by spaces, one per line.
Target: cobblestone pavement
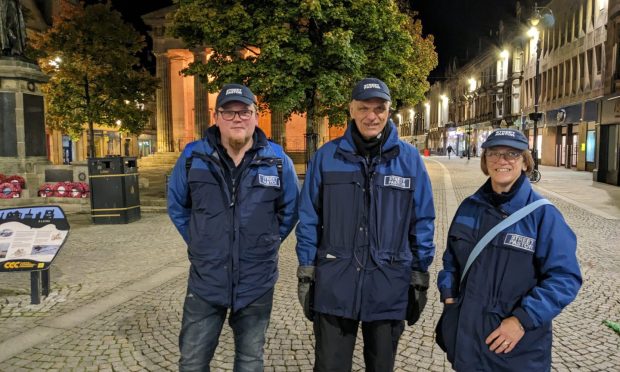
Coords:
pixel 117 294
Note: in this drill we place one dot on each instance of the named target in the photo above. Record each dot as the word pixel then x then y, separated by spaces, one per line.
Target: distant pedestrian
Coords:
pixel 232 195
pixel 365 237
pixel 497 315
pixel 449 151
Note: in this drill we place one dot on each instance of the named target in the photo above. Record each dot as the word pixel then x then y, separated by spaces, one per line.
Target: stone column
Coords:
pixel 164 105
pixel 201 104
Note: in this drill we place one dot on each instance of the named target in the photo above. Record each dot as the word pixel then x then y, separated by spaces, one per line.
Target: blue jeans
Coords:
pixel 201 327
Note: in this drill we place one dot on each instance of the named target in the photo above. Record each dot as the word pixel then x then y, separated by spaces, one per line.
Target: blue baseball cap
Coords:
pixel 371 88
pixel 506 137
pixel 235 92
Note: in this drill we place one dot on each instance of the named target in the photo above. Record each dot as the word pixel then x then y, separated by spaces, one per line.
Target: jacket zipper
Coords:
pixel 361 270
pixel 231 202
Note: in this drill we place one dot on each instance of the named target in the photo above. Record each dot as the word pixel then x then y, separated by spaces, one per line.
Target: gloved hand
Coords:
pixel 417 296
pixel 305 289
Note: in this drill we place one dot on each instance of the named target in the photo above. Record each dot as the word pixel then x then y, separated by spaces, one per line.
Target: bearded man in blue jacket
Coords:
pixel 233 197
pixel 365 236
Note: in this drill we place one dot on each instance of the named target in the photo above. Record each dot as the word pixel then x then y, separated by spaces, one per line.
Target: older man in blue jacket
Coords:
pixel 233 197
pixel 365 236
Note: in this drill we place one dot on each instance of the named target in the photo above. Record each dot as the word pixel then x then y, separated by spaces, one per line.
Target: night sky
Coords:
pixel 456 24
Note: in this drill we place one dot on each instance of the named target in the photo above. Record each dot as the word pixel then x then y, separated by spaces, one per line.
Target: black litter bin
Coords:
pixel 114 191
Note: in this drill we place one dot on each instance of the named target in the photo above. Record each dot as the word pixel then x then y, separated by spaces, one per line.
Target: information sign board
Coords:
pixel 31 237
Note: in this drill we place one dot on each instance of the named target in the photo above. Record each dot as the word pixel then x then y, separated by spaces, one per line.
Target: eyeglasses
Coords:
pixel 230 114
pixel 508 155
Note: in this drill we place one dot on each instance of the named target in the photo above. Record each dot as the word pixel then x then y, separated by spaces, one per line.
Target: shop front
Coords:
pixel 607 155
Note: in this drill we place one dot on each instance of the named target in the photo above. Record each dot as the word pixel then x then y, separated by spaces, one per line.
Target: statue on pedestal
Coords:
pixel 12 28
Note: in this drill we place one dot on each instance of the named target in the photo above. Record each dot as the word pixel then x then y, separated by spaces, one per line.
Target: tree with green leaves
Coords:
pixel 303 56
pixel 90 54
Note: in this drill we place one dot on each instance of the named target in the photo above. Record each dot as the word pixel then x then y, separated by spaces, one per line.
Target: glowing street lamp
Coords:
pixel 543 17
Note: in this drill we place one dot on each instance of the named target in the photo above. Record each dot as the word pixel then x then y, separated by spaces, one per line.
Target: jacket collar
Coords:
pixel 347 145
pixel 518 201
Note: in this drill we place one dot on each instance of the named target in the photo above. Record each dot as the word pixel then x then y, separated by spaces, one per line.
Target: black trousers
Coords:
pixel 335 342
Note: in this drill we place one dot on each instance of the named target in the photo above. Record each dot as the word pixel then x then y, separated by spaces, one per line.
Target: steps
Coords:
pixel 159 160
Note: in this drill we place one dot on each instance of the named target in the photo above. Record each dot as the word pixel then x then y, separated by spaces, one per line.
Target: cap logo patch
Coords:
pixel 397 181
pixel 269 181
pixel 519 241
pixel 233 91
pixel 371 86
pixel 504 133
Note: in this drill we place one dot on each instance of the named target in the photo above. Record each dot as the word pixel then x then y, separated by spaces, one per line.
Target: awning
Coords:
pixel 565 115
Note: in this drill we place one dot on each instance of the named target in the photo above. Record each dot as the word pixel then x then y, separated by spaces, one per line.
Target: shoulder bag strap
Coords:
pixel 513 218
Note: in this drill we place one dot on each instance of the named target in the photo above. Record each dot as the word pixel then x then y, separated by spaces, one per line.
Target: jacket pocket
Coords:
pixel 257 208
pixel 206 192
pixel 265 248
pixel 342 195
pixel 334 286
pixel 394 204
pixel 446 329
pixel 535 340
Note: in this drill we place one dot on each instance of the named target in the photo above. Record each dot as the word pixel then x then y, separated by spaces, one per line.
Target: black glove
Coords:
pixel 305 289
pixel 417 296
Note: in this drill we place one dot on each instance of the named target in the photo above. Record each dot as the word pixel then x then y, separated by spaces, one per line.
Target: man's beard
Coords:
pixel 237 144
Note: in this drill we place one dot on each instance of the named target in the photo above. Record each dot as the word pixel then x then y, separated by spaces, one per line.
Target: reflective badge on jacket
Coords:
pixel 397 181
pixel 520 241
pixel 269 181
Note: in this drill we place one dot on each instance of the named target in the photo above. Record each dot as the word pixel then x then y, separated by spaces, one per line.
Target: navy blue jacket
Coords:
pixel 529 270
pixel 365 227
pixel 233 240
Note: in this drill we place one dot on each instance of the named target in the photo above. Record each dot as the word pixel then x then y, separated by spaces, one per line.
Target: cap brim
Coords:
pixel 505 142
pixel 372 94
pixel 226 100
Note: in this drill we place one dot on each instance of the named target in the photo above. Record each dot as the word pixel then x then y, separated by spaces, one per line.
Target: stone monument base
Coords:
pixel 23 144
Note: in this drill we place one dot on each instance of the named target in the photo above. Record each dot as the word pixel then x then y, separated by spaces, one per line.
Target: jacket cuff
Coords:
pixel 524 318
pixel 446 293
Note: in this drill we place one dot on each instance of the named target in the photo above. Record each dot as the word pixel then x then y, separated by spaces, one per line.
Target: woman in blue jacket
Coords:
pixel 498 318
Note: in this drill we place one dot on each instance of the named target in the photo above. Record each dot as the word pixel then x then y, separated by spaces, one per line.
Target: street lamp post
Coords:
pixel 468 140
pixel 543 16
pixel 537 115
pixel 470 99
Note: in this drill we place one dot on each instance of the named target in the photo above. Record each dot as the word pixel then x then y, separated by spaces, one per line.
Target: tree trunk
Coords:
pixel 91 129
pixel 91 139
pixel 312 135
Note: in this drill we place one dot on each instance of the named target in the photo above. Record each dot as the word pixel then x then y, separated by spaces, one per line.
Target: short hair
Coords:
pixel 528 160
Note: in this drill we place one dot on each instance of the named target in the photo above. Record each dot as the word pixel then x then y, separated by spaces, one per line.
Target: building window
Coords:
pixel 582 72
pixel 543 86
pixel 561 80
pixel 582 19
pixel 590 146
pixel 589 63
pixel 599 62
pixel 574 68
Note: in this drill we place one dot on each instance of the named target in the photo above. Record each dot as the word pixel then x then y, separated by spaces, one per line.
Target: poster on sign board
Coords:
pixel 31 237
